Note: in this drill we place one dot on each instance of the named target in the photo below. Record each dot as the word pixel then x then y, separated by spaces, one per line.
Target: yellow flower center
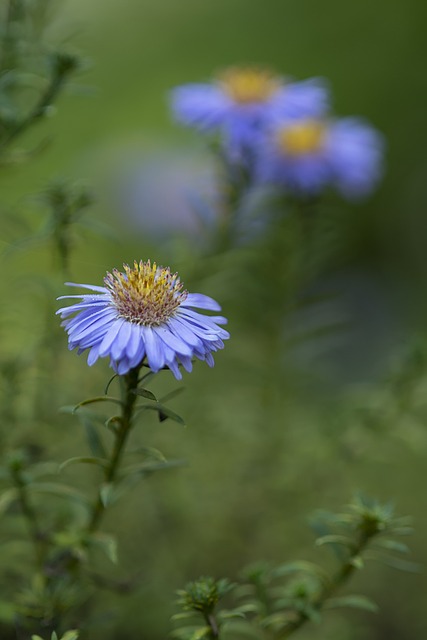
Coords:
pixel 302 137
pixel 145 294
pixel 247 85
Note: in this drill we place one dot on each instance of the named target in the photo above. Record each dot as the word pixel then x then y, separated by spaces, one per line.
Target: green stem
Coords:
pixel 122 433
pixel 30 516
pixel 39 110
pixel 342 575
pixel 233 185
pixel 62 248
pixel 212 624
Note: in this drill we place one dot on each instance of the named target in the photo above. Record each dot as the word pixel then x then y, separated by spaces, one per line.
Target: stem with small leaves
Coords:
pixel 129 387
pixel 213 625
pixel 63 66
pixel 342 575
pixel 29 514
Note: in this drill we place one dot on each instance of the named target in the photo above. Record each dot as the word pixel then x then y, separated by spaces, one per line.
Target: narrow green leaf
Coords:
pixel 392 545
pixel 70 635
pixel 402 531
pixel 402 565
pixel 246 608
pixel 185 615
pixel 60 490
pixel 302 566
pixel 276 620
pixel 191 633
pixel 229 615
pixel 67 408
pixel 145 393
pixel 116 375
pixel 83 460
pixel 357 562
pixel 107 494
pixel 172 394
pixel 164 413
pixel 113 423
pixel 335 539
pixel 149 452
pixel 143 468
pixel 352 601
pixel 7 498
pixel 91 415
pixel 200 633
pixel 107 543
pixel 97 399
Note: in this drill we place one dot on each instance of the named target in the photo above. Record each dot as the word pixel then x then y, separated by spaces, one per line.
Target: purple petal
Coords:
pixel 91 287
pixel 110 337
pixel 118 346
pixel 90 326
pixel 139 355
pixel 173 341
pixel 199 300
pixel 153 347
pixel 93 355
pixel 134 341
pixel 123 366
pixel 173 366
pixel 184 331
pixel 186 363
pixel 204 106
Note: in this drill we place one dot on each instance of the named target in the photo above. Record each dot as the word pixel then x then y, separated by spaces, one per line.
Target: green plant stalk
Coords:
pixel 62 246
pixel 232 189
pixel 212 624
pixel 30 517
pixel 129 398
pixel 52 91
pixel 342 575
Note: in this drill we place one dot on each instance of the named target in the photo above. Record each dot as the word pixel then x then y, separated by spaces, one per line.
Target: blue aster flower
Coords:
pixel 308 155
pixel 143 313
pixel 242 101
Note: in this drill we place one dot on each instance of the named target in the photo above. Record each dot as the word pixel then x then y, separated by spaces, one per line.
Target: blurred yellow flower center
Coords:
pixel 302 137
pixel 246 85
pixel 145 294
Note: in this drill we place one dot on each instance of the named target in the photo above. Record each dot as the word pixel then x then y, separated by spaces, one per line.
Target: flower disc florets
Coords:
pixel 308 155
pixel 142 316
pixel 146 294
pixel 246 85
pixel 302 137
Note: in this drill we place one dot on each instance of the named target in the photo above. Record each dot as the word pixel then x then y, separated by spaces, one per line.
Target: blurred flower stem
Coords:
pixel 354 561
pixel 122 426
pixel 27 510
pixel 67 201
pixel 61 66
pixel 233 185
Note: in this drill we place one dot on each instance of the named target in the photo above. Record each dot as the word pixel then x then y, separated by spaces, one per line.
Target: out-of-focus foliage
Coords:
pixel 278 600
pixel 33 71
pixel 321 390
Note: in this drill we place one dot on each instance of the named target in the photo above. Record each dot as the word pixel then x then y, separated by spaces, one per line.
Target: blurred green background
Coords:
pixel 271 435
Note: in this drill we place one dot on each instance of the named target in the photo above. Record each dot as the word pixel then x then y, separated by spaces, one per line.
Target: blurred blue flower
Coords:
pixel 307 155
pixel 242 101
pixel 143 313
